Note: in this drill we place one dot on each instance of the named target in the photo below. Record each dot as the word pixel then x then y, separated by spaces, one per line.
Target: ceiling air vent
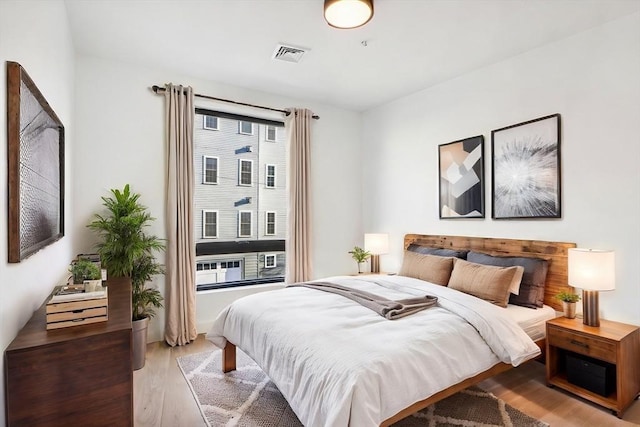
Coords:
pixel 288 53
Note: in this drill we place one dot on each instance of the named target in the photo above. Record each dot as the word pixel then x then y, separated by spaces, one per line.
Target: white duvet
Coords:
pixel 340 364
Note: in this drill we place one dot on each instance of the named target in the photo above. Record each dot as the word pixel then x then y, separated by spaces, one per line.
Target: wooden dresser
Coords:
pixel 80 375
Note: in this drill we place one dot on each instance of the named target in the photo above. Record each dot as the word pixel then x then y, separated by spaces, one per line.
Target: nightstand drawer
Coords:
pixel 589 346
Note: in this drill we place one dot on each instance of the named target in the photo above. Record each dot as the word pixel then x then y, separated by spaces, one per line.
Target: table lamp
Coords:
pixel 377 244
pixel 592 270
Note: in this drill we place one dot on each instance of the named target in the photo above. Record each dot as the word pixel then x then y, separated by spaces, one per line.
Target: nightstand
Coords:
pixel 600 364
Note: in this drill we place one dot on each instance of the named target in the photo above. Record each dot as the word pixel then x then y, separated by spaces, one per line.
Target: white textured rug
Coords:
pixel 246 397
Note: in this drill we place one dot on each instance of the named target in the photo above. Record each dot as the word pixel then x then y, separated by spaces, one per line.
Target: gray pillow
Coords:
pixel 531 292
pixel 427 250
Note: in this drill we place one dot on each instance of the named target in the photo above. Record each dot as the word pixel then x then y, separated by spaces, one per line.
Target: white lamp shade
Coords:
pixel 592 269
pixel 376 243
pixel 348 13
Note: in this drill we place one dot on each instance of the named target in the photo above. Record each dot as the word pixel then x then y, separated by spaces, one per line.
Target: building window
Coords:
pixel 210 122
pixel 230 264
pixel 270 224
pixel 209 224
pixel 209 170
pixel 203 266
pixel 270 174
pixel 269 261
pixel 245 128
pixel 270 134
pixel 245 169
pixel 244 224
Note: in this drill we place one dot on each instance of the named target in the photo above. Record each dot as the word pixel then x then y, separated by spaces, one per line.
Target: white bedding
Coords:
pixel 340 364
pixel 532 321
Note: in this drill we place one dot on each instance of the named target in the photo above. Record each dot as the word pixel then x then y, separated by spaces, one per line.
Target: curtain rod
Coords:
pixel 158 89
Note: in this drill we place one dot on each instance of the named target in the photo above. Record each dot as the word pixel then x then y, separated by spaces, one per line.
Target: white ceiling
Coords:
pixel 411 44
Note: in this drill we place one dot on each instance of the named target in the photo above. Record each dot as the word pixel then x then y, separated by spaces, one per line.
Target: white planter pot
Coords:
pixel 363 267
pixel 92 285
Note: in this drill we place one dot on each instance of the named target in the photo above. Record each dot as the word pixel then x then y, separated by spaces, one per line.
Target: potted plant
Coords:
pixel 569 300
pixel 86 272
pixel 83 269
pixel 361 256
pixel 126 250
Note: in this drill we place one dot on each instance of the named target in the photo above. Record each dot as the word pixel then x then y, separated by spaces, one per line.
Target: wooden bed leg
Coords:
pixel 229 357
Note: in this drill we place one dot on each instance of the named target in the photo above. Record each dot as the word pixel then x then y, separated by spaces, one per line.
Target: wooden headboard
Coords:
pixel 554 252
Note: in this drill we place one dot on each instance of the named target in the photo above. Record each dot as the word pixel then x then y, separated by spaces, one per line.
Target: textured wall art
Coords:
pixel 35 167
pixel 526 169
pixel 462 178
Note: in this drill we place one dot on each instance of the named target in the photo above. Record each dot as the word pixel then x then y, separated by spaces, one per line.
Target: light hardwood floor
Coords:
pixel 163 398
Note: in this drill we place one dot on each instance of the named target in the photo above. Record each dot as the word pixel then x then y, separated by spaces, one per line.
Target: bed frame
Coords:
pixel 554 252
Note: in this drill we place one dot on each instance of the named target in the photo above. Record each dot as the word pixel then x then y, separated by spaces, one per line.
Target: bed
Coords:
pixel 340 364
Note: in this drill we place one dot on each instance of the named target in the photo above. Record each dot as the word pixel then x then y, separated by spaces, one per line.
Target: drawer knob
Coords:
pixel 579 344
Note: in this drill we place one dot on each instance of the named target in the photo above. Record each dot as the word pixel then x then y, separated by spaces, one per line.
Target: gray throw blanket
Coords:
pixel 386 308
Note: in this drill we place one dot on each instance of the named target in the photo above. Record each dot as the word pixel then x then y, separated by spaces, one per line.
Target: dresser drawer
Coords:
pixel 587 345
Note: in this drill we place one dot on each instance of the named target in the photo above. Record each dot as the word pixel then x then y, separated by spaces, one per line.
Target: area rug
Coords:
pixel 246 397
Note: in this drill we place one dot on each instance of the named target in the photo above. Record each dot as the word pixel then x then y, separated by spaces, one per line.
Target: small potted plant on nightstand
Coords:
pixel 569 300
pixel 361 256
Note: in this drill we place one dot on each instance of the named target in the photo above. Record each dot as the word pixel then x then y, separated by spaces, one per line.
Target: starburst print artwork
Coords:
pixel 526 169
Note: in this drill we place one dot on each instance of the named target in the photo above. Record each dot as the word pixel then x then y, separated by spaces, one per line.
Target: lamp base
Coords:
pixel 375 263
pixel 590 308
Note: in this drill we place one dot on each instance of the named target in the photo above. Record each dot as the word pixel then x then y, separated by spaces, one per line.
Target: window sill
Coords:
pixel 274 285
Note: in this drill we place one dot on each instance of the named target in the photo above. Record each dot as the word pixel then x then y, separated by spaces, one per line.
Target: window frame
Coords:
pixel 266 133
pixel 204 169
pixel 204 223
pixel 240 212
pixel 241 131
pixel 240 162
pixel 266 176
pixel 226 243
pixel 270 256
pixel 266 223
pixel 204 122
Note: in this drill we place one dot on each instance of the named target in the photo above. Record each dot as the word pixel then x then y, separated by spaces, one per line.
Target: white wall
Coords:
pixel 593 80
pixel 120 134
pixel 47 56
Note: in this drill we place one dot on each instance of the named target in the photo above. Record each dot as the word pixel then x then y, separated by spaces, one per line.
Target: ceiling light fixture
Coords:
pixel 348 13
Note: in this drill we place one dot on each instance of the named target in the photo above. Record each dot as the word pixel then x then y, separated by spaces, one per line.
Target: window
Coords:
pixel 230 264
pixel 244 224
pixel 245 168
pixel 202 266
pixel 245 128
pixel 269 261
pixel 270 134
pixel 209 224
pixel 209 170
pixel 270 174
pixel 270 223
pixel 239 200
pixel 210 122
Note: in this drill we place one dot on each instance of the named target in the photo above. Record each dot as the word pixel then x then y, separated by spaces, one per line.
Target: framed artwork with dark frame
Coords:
pixel 461 172
pixel 35 167
pixel 525 160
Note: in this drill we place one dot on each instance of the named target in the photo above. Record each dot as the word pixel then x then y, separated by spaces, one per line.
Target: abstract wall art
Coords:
pixel 35 167
pixel 461 170
pixel 526 169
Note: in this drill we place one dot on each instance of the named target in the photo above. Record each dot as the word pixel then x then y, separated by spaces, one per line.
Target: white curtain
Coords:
pixel 299 268
pixel 180 322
